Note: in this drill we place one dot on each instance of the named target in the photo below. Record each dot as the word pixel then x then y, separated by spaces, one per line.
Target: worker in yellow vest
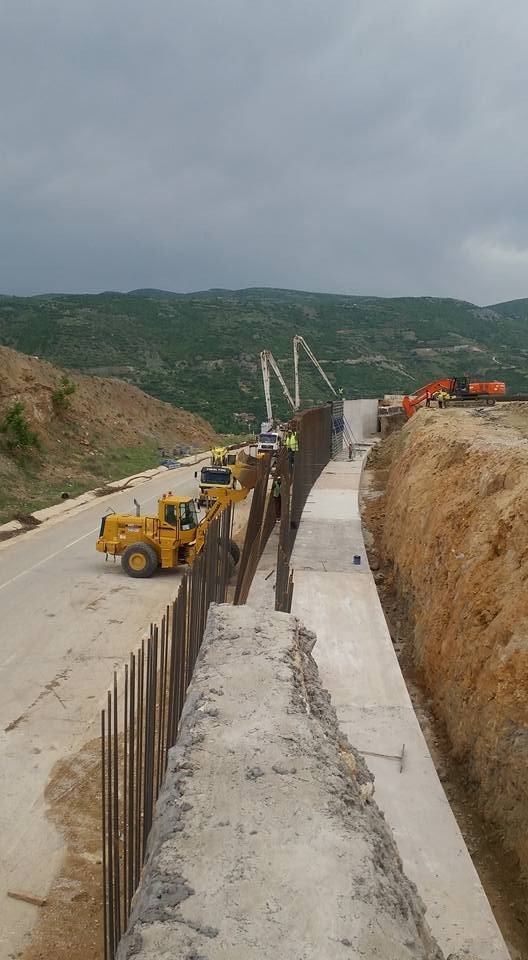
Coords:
pixel 292 444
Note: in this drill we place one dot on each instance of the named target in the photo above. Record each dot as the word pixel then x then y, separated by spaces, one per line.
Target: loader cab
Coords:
pixel 211 480
pixel 188 516
pixel 215 476
pixel 180 515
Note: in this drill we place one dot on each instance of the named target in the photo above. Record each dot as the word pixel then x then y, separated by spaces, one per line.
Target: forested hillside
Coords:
pixel 201 350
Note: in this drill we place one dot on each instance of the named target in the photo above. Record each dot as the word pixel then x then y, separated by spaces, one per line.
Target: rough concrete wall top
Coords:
pixel 266 842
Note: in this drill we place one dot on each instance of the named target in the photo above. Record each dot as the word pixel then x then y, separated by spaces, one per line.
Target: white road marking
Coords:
pixel 50 557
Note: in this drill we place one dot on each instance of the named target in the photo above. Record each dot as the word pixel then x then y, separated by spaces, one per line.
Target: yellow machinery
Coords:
pixel 211 479
pixel 174 537
pixel 220 457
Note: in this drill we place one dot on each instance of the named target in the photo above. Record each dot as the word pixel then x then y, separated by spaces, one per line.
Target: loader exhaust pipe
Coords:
pixel 138 507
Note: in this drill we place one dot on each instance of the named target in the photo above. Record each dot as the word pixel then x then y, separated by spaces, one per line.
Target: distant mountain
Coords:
pixel 152 293
pixel 512 308
pixel 201 350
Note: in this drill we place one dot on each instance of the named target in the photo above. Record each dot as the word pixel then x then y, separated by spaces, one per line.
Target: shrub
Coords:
pixel 62 393
pixel 17 431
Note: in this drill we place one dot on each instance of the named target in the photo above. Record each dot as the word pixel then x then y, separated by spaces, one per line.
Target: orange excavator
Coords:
pixel 458 388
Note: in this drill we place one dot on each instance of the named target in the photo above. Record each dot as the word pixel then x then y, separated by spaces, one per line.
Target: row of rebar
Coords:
pixel 284 576
pixel 315 450
pixel 140 724
pixel 314 431
pixel 257 522
pixel 141 720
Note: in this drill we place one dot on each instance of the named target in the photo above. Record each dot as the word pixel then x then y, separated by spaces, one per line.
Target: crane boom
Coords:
pixel 267 360
pixel 299 341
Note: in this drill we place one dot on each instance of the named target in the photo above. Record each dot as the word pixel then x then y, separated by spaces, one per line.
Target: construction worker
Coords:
pixel 276 491
pixel 287 441
pixel 292 443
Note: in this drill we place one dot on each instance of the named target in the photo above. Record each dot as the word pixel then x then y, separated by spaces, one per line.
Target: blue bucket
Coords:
pixel 357 559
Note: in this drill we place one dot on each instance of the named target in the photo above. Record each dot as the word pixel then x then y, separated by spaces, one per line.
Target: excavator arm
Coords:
pixel 267 360
pixel 299 341
pixel 459 387
pixel 410 404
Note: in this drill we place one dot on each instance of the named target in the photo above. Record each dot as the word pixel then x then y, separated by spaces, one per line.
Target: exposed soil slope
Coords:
pixel 110 428
pixel 454 530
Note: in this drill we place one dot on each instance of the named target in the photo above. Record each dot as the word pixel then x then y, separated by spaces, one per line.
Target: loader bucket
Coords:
pixel 245 470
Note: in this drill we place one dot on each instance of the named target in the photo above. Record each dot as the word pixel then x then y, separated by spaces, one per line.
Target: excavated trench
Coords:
pixel 445 511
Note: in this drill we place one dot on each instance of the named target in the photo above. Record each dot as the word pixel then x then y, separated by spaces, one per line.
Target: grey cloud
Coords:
pixel 363 146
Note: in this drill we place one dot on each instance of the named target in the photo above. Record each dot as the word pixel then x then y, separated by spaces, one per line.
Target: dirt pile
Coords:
pixel 103 429
pixel 70 922
pixel 453 535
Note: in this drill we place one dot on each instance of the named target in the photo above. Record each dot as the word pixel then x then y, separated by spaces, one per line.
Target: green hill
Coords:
pixel 201 350
pixel 517 309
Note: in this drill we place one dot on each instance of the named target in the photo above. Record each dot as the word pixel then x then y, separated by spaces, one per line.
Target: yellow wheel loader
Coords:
pixel 210 480
pixel 174 537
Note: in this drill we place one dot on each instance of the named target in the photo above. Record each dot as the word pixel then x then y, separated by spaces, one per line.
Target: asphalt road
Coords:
pixel 68 619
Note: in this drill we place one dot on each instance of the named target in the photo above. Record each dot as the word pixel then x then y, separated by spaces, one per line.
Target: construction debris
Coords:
pixel 27 897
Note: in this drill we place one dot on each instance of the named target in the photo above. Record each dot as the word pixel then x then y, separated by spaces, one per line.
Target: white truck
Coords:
pixel 269 442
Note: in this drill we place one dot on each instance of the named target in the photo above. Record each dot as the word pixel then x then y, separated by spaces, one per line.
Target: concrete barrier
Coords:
pixel 266 842
pixel 362 417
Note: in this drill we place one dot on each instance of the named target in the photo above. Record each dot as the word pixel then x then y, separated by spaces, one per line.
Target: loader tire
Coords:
pixel 139 560
pixel 234 550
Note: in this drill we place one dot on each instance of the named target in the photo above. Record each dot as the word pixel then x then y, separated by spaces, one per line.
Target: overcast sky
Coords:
pixel 357 146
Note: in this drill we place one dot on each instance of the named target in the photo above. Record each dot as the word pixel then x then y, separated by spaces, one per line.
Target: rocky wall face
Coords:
pixel 456 532
pixel 267 842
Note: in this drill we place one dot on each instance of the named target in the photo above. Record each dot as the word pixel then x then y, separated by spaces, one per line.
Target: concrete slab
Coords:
pixel 11 527
pixel 65 506
pixel 331 547
pixel 359 668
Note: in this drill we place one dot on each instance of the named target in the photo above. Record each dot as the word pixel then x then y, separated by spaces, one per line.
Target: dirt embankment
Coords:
pixel 452 537
pixel 104 429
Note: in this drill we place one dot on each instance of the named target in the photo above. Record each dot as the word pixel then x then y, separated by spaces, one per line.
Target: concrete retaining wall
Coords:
pixel 362 416
pixel 267 843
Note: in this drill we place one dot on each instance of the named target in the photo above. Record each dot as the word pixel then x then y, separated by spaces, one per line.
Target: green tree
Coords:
pixel 19 437
pixel 62 393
